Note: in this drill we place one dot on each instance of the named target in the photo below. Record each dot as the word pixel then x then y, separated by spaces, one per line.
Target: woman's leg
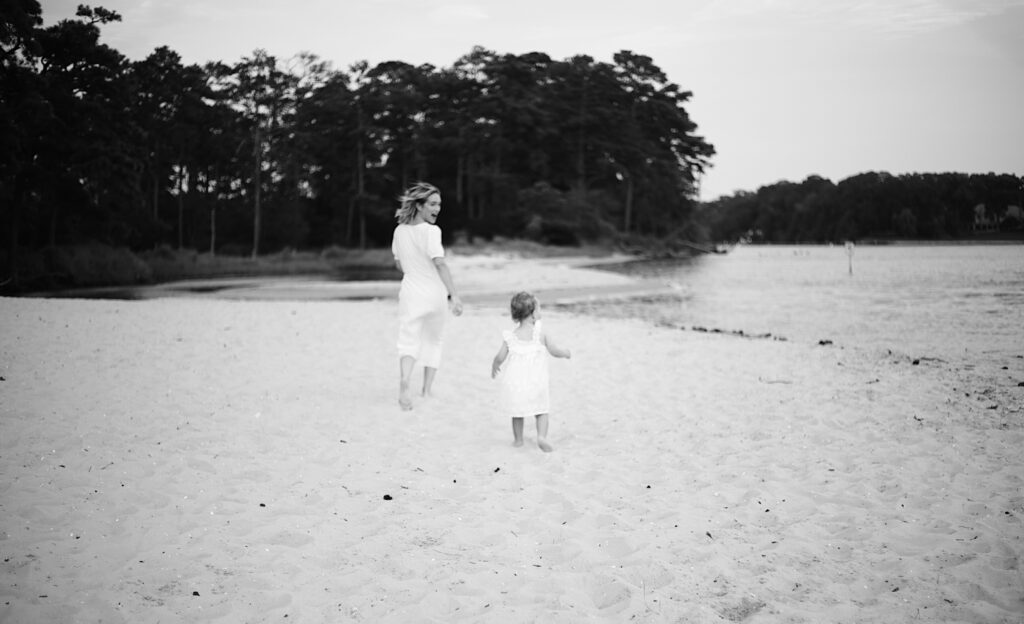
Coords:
pixel 409 329
pixel 517 431
pixel 431 333
pixel 405 366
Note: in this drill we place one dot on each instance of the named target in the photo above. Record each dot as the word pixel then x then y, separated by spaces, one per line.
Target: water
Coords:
pixel 952 302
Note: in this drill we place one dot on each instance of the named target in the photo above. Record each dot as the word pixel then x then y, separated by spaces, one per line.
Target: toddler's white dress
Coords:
pixel 525 390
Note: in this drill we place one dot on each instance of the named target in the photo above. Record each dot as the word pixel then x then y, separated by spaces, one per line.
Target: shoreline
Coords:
pixel 561 278
pixel 361 266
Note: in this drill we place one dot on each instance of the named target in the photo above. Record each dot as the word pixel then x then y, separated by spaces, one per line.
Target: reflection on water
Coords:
pixel 936 300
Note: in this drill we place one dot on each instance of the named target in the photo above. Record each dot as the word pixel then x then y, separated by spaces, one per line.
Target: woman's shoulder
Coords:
pixel 416 229
pixel 420 228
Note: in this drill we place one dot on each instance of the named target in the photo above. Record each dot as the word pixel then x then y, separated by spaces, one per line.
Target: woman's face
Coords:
pixel 430 208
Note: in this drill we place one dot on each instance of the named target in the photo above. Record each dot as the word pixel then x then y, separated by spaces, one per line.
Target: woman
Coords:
pixel 427 288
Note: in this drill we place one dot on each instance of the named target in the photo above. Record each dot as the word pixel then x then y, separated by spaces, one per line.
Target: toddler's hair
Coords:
pixel 523 305
pixel 414 196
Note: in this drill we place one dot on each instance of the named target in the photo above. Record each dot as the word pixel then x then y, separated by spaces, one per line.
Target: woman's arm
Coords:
pixel 449 283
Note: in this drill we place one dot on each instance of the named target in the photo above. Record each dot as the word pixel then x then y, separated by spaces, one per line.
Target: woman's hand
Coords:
pixel 455 305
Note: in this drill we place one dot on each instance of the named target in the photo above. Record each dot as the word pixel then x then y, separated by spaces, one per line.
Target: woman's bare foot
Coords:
pixel 517 443
pixel 544 446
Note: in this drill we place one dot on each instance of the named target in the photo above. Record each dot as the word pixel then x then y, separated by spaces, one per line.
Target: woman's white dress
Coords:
pixel 525 390
pixel 422 296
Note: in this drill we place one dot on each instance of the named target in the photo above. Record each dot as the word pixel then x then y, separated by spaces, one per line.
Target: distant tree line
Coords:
pixel 262 154
pixel 867 205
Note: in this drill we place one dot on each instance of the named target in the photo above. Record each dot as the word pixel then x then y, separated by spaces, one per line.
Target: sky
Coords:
pixel 783 89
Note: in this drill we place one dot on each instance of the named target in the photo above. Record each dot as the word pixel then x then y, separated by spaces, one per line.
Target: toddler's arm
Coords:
pixel 499 359
pixel 554 349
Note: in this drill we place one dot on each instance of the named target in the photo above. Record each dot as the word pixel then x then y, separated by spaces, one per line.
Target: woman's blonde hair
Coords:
pixel 523 305
pixel 413 197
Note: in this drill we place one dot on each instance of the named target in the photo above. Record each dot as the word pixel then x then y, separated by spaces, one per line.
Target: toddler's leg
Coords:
pixel 542 433
pixel 429 372
pixel 517 431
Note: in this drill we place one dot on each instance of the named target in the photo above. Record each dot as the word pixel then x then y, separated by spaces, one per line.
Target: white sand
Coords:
pixel 184 460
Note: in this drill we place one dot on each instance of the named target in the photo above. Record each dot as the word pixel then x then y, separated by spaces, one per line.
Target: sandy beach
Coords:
pixel 244 459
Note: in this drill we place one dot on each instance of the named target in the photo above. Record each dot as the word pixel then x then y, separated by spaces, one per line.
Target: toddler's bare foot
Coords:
pixel 517 443
pixel 544 446
pixel 403 397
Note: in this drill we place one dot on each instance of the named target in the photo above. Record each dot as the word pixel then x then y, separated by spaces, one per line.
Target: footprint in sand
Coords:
pixel 269 601
pixel 616 547
pixel 562 553
pixel 290 539
pixel 201 465
pixel 741 610
pixel 652 576
pixel 609 594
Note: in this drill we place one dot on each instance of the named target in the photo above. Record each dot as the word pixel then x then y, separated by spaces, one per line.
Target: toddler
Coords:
pixel 524 380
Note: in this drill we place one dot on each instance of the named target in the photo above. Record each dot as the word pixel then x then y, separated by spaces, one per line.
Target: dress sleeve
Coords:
pixel 434 247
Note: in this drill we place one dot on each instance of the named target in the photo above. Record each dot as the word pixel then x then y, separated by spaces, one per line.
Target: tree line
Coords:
pixel 265 154
pixel 877 205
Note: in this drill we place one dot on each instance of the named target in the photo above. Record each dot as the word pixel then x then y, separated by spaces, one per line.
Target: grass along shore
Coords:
pixel 94 266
